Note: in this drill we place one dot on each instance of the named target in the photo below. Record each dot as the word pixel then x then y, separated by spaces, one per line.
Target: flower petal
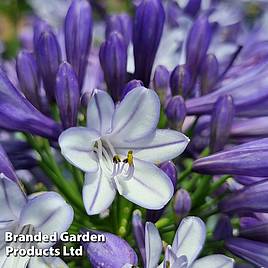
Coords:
pixel 189 238
pixel 150 187
pixel 47 262
pixel 76 146
pixel 48 213
pixel 214 261
pixel 12 261
pixel 98 193
pixel 100 110
pixel 12 200
pixel 153 245
pixel 164 145
pixel 136 116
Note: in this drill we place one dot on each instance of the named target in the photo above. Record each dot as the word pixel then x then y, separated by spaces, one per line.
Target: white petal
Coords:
pixel 173 260
pixel 100 110
pixel 150 187
pixel 12 261
pixel 214 261
pixel 76 146
pixel 47 262
pixel 136 116
pixel 12 200
pixel 48 213
pixel 164 145
pixel 153 245
pixel 189 238
pixel 98 193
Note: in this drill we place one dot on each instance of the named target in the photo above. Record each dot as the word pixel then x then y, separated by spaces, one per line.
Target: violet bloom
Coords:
pixel 46 212
pixel 248 159
pixel 187 244
pixel 252 251
pixel 78 35
pixel 119 148
pixel 150 15
pixel 17 113
pixel 67 95
pixel 115 252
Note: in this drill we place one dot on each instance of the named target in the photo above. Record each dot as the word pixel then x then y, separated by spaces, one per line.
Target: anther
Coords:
pixel 116 159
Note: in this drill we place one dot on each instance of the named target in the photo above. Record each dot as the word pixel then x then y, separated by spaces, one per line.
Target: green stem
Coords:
pixel 217 184
pixel 202 189
pixel 49 166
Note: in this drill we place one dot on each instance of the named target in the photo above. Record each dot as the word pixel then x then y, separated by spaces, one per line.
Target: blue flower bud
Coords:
pixel 176 112
pixel 223 228
pixel 221 122
pixel 139 233
pixel 253 198
pixel 182 203
pixel 209 74
pixel 192 7
pixel 29 78
pixel 113 59
pixel 48 55
pixel 40 26
pixel 180 81
pixel 252 251
pixel 121 23
pixel 131 85
pixel 197 44
pixel 161 82
pixel 114 253
pixel 149 15
pixel 67 95
pixel 78 35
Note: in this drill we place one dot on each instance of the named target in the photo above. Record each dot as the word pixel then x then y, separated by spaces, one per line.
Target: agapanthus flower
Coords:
pixel 187 245
pixel 45 212
pixel 119 148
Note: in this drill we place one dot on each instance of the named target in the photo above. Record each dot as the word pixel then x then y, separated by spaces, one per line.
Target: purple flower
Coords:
pixel 221 123
pixel 252 198
pixel 198 41
pixel 121 23
pixel 139 233
pixel 113 59
pixel 252 80
pixel 223 228
pixel 48 55
pixel 180 81
pixel 17 113
pixel 149 15
pixel 78 35
pixel 114 253
pixel 176 112
pixel 192 7
pixel 67 95
pixel 248 159
pixel 209 74
pixel 182 203
pixel 29 78
pixel 131 85
pixel 252 251
pixel 257 231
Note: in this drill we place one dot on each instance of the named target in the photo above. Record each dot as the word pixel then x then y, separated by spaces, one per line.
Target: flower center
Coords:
pixel 112 164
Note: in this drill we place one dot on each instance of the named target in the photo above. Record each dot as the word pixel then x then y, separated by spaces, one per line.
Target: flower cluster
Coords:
pixel 148 126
